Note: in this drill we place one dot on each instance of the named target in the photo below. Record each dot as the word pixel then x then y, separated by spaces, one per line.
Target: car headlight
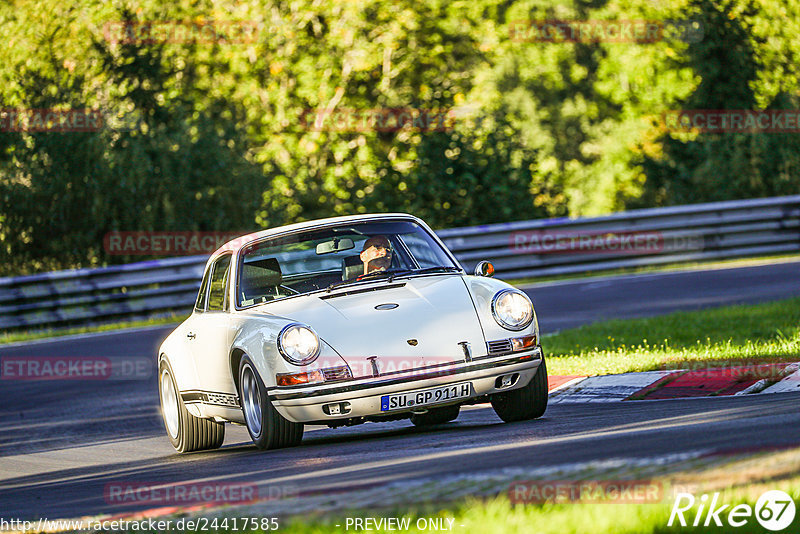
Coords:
pixel 298 344
pixel 512 309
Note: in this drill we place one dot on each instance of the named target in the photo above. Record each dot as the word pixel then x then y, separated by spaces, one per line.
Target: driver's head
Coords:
pixel 376 253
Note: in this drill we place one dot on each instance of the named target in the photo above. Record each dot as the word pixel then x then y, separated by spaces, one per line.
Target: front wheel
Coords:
pixel 528 402
pixel 186 432
pixel 268 429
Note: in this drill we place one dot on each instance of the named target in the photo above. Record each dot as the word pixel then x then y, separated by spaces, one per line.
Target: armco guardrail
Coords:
pixel 698 232
pixel 543 247
pixel 83 296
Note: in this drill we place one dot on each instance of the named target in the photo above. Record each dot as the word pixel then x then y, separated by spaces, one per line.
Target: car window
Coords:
pixel 422 249
pixel 314 259
pixel 200 303
pixel 219 281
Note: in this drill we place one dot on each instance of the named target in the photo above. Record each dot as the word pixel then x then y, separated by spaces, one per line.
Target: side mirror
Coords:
pixel 484 268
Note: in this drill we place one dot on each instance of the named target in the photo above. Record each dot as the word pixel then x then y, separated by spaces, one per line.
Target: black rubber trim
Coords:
pixel 363 290
pixel 365 378
pixel 383 375
pixel 195 396
pixel 213 404
pixel 533 356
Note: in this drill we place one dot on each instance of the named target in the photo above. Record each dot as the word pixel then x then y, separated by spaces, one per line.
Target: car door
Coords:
pixel 209 334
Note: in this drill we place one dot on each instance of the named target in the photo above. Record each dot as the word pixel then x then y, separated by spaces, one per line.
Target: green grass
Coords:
pixel 25 335
pixel 499 516
pixel 739 480
pixel 719 336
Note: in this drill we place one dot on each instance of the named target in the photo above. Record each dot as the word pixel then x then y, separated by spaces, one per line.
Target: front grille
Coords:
pixel 499 347
pixel 336 373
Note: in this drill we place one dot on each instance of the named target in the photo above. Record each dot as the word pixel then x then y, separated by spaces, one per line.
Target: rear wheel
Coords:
pixel 268 429
pixel 186 432
pixel 436 416
pixel 528 402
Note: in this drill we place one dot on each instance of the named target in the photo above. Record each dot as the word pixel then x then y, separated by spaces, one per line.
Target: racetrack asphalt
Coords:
pixel 62 442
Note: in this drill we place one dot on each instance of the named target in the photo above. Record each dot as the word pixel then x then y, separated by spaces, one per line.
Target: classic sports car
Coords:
pixel 342 321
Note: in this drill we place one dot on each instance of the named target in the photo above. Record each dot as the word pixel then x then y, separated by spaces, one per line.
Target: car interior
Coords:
pixel 352 267
pixel 263 279
pixel 261 282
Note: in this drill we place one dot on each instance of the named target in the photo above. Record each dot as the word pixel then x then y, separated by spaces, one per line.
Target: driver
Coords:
pixel 376 254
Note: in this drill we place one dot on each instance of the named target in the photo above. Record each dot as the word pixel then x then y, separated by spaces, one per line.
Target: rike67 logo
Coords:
pixel 774 510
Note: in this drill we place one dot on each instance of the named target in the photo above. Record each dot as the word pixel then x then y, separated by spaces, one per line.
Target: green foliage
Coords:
pixel 220 138
pixel 741 66
pixel 181 166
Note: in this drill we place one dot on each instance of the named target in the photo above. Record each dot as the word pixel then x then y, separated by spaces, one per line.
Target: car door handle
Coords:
pixel 191 335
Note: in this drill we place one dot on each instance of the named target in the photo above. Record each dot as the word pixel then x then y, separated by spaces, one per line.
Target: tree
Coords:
pixel 737 65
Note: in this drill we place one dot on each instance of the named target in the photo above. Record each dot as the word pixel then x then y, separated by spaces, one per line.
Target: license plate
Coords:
pixel 426 396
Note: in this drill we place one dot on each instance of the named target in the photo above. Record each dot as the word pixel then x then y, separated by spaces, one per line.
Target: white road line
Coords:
pixel 607 388
pixel 790 383
pixel 73 337
pixel 567 384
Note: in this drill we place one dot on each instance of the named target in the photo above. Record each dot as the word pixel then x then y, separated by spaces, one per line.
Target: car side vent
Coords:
pixel 499 347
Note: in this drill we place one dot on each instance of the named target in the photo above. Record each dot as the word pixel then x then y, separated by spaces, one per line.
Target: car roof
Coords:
pixel 237 243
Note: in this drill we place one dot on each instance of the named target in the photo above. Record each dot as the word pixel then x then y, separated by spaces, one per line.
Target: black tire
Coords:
pixel 525 403
pixel 186 432
pixel 273 431
pixel 436 416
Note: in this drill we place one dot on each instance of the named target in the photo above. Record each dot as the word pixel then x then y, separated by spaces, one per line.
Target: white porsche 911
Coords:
pixel 342 321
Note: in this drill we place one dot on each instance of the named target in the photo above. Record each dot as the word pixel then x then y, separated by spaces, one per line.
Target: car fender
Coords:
pixel 483 290
pixel 257 337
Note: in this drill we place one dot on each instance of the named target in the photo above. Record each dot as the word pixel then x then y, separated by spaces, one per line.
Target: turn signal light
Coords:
pixel 293 379
pixel 522 343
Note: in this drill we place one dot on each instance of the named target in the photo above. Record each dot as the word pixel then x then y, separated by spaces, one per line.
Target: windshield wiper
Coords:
pixel 426 270
pixel 370 276
pixel 437 269
pixel 392 274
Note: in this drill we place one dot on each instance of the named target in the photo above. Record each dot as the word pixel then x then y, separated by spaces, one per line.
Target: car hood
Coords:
pixel 406 324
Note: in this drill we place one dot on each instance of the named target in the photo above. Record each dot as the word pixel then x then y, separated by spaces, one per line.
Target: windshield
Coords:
pixel 317 259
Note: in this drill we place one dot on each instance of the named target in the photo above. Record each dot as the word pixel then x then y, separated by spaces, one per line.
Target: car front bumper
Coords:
pixel 363 396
